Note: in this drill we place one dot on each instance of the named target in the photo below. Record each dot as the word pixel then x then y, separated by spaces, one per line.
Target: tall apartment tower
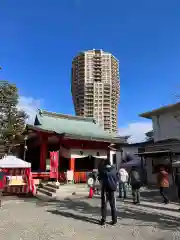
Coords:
pixel 95 87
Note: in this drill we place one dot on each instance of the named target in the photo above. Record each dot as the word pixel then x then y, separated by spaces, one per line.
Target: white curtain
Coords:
pixel 101 157
pixel 80 153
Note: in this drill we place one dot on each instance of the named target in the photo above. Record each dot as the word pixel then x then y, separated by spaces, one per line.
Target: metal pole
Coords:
pixel 25 147
pixel 57 169
pixel 172 172
pixel 121 158
pixel 173 178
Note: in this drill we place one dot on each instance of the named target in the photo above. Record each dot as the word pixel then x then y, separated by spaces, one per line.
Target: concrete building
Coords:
pixel 95 87
pixel 166 122
pixel 165 150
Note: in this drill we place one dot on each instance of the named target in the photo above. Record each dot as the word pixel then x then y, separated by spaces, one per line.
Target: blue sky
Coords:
pixel 38 40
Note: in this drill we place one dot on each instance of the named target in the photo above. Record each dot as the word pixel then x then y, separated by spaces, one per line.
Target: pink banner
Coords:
pixel 54 159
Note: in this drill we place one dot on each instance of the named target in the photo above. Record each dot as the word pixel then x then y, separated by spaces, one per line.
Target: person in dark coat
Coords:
pixel 135 182
pixel 108 177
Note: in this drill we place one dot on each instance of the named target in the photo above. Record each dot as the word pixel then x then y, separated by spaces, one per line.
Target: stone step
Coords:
pixel 52 185
pixel 70 186
pixel 72 190
pixel 45 198
pixel 49 188
pixel 46 192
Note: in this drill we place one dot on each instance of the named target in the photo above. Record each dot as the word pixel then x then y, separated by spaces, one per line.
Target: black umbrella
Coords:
pixel 128 157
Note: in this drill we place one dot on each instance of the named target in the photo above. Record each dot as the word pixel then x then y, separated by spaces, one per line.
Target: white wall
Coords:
pixel 111 156
pixel 130 149
pixel 166 126
pixel 118 157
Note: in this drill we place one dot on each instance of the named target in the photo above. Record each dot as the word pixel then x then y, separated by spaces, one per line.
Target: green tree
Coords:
pixel 12 119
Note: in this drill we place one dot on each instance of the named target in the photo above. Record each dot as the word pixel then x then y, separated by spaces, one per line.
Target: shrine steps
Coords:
pixel 52 190
pixel 52 185
pixel 48 189
pixel 45 192
pixel 68 190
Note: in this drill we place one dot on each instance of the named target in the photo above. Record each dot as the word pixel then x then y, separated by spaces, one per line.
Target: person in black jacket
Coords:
pixel 135 182
pixel 108 177
pixel 177 181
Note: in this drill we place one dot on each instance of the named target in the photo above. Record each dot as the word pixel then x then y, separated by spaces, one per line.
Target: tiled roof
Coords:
pixel 71 126
pixel 161 110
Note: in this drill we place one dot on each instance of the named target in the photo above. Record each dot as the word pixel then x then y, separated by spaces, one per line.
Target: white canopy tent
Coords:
pixel 13 162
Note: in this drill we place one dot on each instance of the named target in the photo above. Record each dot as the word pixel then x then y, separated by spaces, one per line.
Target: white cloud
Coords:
pixel 136 130
pixel 30 106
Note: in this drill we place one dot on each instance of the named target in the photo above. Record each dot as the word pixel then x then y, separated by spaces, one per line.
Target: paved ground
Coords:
pixel 76 218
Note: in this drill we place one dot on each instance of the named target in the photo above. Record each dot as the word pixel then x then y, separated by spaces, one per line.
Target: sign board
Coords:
pixel 15 180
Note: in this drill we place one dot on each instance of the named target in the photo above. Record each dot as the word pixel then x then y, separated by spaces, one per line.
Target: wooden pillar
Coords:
pixel 72 164
pixel 72 167
pixel 43 153
pixel 142 169
pixel 172 170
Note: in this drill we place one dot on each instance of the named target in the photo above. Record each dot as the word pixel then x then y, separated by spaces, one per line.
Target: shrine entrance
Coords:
pixel 81 157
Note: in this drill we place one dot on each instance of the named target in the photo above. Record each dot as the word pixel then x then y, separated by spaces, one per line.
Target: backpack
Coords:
pixel 110 181
pixel 135 178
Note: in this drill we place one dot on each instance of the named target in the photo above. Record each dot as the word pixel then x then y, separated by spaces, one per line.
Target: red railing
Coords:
pixel 80 177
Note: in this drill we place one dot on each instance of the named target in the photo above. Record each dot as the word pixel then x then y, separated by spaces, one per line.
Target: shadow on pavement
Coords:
pixel 157 207
pixel 39 202
pixel 89 212
pixel 153 195
pixel 82 209
pixel 74 216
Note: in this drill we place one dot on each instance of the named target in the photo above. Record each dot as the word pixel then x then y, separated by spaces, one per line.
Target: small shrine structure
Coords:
pixel 81 143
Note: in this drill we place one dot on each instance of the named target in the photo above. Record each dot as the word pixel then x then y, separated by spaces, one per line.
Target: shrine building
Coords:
pixel 81 144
